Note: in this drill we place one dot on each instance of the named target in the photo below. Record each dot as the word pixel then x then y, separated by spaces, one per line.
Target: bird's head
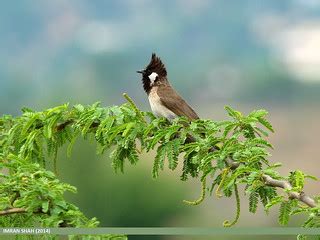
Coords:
pixel 154 74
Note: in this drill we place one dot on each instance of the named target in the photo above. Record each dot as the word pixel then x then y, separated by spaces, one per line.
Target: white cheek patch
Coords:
pixel 153 77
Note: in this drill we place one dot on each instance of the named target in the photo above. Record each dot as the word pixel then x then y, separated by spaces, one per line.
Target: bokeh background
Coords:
pixel 247 54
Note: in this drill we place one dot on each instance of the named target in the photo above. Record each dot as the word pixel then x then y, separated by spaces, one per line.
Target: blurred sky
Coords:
pixel 215 51
pixel 249 54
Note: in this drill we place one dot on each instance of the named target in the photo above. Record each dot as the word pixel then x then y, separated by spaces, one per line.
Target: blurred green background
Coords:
pixel 247 54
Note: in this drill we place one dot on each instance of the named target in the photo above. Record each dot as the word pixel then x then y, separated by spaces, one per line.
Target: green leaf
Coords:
pixel 253 202
pixel 158 161
pixel 258 113
pixel 45 206
pixel 173 152
pixel 71 144
pixel 285 209
pixel 26 109
pixel 301 237
pixel 259 130
pixel 79 107
pixel 49 126
pixel 265 123
pixel 233 113
pixel 128 128
pixel 311 177
pixel 31 120
pixel 133 157
pixel 117 156
pixel 228 129
pixel 274 201
pixel 296 179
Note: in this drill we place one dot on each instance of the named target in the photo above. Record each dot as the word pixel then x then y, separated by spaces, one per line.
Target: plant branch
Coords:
pixel 12 211
pixel 22 210
pixel 302 197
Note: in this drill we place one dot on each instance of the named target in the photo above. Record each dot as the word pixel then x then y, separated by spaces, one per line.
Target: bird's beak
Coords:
pixel 141 71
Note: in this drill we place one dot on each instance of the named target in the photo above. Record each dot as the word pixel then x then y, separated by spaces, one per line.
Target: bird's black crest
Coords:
pixel 157 66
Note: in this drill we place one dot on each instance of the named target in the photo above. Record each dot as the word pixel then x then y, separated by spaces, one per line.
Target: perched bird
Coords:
pixel 163 99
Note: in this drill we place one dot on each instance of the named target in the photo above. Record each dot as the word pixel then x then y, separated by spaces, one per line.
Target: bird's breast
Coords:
pixel 157 107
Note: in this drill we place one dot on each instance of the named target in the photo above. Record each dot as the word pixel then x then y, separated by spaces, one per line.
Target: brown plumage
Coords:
pixel 164 100
pixel 171 99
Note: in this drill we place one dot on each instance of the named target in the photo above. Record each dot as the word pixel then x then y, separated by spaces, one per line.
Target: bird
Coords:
pixel 164 100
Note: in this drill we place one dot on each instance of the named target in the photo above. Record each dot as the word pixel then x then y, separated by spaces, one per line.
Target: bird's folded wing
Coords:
pixel 171 100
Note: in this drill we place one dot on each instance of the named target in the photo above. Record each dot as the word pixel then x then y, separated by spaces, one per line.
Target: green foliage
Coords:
pixel 29 186
pixel 253 201
pixel 296 179
pixel 285 209
pixel 202 147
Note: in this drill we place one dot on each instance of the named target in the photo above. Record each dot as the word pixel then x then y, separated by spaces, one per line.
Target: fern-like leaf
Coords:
pixel 253 202
pixel 285 209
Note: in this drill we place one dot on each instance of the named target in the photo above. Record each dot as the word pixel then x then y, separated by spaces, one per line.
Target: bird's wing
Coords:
pixel 171 100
